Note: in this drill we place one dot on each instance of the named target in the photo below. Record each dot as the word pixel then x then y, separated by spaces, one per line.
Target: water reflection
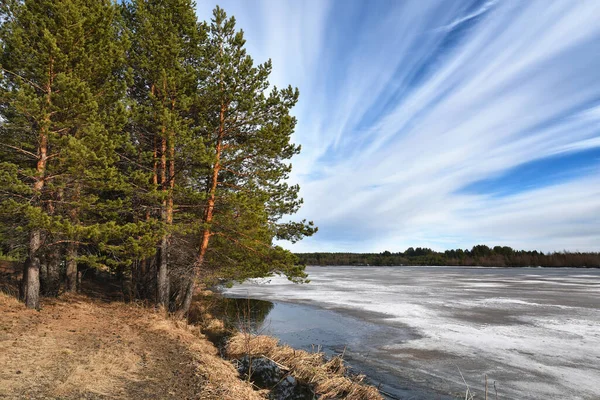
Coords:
pixel 247 315
pixel 311 328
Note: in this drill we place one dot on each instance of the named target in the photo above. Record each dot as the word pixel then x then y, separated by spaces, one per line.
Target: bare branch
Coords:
pixel 25 79
pixel 35 156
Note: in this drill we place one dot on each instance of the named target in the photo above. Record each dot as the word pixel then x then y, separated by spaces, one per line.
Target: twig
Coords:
pixel 468 389
pixel 281 366
pixel 35 156
pixel 486 387
pixel 25 79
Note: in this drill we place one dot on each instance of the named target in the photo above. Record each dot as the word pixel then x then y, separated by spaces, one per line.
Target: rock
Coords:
pixel 290 389
pixel 263 372
pixel 266 374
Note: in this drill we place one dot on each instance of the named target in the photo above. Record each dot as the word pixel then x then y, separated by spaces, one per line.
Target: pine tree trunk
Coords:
pixel 187 299
pixel 53 272
pixel 32 273
pixel 163 272
pixel 162 281
pixel 189 293
pixel 208 217
pixel 71 284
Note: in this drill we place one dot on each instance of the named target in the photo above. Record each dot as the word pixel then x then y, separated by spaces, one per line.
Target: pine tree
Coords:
pixel 166 40
pixel 247 127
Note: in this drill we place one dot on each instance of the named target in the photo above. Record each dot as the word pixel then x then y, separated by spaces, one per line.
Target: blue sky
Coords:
pixel 439 123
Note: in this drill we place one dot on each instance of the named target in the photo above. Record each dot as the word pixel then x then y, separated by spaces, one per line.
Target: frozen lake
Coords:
pixel 535 332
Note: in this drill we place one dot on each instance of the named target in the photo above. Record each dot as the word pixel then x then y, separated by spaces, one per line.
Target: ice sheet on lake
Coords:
pixel 535 331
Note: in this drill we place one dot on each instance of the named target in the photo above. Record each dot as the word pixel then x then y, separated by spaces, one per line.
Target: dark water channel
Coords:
pixel 314 329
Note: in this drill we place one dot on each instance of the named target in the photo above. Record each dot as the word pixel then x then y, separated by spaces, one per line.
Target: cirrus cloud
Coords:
pixel 420 120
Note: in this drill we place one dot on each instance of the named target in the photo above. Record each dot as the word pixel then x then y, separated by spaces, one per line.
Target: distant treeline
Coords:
pixel 480 255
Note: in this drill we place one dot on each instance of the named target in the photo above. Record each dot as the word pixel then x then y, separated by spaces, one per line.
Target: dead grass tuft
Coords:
pixel 327 377
pixel 202 312
pixel 101 373
pixel 222 379
pixel 9 299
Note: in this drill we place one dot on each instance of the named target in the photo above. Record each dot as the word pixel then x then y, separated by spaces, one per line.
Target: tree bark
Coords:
pixel 32 271
pixel 53 272
pixel 162 279
pixel 71 284
pixel 163 272
pixel 170 192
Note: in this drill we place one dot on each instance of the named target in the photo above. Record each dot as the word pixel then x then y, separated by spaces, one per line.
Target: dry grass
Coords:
pixel 327 377
pixel 101 373
pixel 9 299
pixel 222 379
pixel 63 351
pixel 76 347
pixel 202 311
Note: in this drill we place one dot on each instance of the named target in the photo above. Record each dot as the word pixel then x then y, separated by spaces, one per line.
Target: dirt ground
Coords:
pixel 79 347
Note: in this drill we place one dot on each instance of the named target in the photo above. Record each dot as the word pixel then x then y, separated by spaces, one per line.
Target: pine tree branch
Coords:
pixel 66 241
pixel 62 129
pixel 50 177
pixel 237 173
pixel 236 242
pixel 247 237
pixel 134 162
pixel 232 186
pixel 35 156
pixel 11 194
pixel 25 79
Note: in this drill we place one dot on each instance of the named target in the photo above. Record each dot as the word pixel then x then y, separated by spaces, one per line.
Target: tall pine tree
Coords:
pixel 246 127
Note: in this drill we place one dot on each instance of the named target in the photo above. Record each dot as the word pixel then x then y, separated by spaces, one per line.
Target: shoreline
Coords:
pixel 239 337
pixel 142 352
pixel 410 384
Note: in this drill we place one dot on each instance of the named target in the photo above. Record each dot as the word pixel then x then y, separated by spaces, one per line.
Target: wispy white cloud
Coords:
pixel 485 7
pixel 397 115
